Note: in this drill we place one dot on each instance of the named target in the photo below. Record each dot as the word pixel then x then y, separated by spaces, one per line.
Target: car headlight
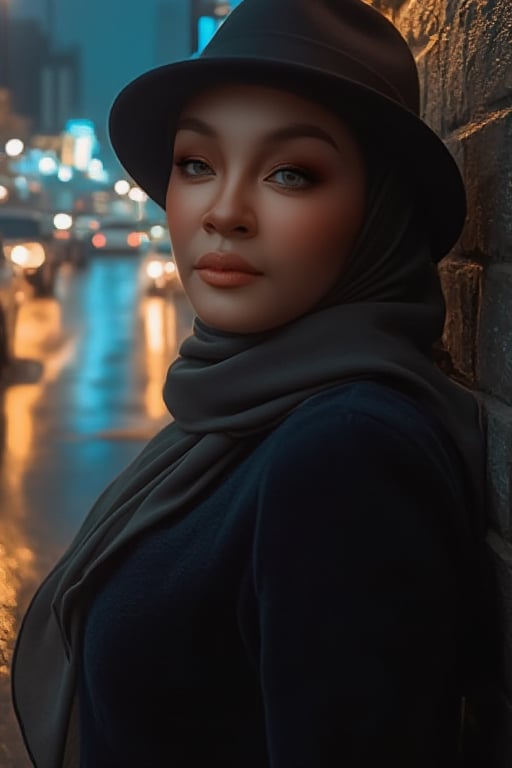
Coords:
pixel 157 232
pixel 26 255
pixel 62 221
pixel 154 269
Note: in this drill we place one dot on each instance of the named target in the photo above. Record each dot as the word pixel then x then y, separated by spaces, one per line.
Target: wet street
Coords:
pixel 105 350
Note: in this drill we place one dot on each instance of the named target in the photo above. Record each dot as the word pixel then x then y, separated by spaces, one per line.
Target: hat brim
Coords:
pixel 143 118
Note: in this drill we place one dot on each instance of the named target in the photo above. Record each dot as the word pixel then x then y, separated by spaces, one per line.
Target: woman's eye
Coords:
pixel 293 178
pixel 191 167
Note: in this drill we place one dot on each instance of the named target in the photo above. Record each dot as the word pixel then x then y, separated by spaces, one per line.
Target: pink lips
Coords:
pixel 225 270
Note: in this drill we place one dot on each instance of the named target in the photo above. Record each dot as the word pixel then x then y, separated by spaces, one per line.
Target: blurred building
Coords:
pixel 27 54
pixel 45 86
pixel 60 90
pixel 185 26
pixel 172 39
pixel 12 124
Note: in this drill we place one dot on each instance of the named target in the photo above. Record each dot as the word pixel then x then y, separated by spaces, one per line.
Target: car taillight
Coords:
pixel 134 239
pixel 26 255
pixel 99 240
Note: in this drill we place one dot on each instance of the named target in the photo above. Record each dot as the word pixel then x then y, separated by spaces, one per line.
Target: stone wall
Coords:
pixel 463 49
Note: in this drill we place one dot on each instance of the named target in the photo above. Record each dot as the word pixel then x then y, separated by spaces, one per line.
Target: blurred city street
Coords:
pixel 105 347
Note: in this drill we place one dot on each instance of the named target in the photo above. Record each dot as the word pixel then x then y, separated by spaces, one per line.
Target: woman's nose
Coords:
pixel 230 215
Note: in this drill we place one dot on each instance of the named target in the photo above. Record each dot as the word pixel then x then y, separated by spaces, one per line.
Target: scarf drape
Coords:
pixel 225 390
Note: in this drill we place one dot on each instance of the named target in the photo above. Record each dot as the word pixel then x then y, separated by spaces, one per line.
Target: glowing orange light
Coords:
pixel 134 239
pixel 161 343
pixel 61 234
pixel 99 240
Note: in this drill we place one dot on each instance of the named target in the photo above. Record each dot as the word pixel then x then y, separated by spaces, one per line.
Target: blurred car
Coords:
pixel 158 271
pixel 119 235
pixel 30 246
pixel 73 233
pixel 11 296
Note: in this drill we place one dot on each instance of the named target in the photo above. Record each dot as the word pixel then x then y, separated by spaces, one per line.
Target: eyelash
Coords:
pixel 306 175
pixel 182 164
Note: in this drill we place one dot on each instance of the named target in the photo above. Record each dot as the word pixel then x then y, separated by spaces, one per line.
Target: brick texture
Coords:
pixel 482 151
pixel 464 55
pixel 463 49
pixel 499 471
pixel 494 360
pixel 461 282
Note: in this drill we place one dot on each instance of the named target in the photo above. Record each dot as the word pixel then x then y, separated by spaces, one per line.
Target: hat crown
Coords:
pixel 343 54
pixel 344 38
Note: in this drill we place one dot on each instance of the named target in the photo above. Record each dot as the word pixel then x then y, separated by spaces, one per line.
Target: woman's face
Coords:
pixel 265 199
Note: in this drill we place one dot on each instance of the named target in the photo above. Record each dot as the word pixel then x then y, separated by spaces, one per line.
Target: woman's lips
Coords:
pixel 226 278
pixel 225 270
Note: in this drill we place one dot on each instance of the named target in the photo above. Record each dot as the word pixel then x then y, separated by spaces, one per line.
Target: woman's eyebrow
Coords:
pixel 293 131
pixel 300 131
pixel 196 125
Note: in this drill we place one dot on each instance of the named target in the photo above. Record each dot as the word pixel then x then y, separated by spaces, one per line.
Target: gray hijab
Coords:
pixel 225 392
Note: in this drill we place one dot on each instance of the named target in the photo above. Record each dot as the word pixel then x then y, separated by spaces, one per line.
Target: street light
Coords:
pixel 14 147
pixel 48 165
pixel 221 10
pixel 65 173
pixel 122 187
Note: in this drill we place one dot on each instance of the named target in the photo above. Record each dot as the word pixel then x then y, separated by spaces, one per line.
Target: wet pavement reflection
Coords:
pixel 105 350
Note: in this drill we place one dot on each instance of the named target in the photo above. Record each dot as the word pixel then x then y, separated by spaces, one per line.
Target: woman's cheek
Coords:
pixel 304 234
pixel 180 212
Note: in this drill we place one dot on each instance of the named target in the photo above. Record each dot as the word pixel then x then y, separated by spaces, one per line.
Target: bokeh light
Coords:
pixel 62 221
pixel 48 165
pixel 122 187
pixel 14 147
pixel 137 195
pixel 65 173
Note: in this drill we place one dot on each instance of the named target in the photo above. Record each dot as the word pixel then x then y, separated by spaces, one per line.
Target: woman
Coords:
pixel 283 576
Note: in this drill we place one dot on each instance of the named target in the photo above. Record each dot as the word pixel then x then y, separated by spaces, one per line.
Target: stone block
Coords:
pixel 461 283
pixel 463 49
pixel 483 155
pixel 498 419
pixel 479 52
pixel 494 354
pixel 422 22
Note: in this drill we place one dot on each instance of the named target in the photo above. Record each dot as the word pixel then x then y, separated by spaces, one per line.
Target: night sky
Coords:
pixel 117 38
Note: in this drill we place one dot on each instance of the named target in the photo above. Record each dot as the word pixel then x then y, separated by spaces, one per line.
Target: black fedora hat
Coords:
pixel 342 53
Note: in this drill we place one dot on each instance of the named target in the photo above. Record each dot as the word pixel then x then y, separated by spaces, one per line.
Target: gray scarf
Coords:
pixel 226 391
